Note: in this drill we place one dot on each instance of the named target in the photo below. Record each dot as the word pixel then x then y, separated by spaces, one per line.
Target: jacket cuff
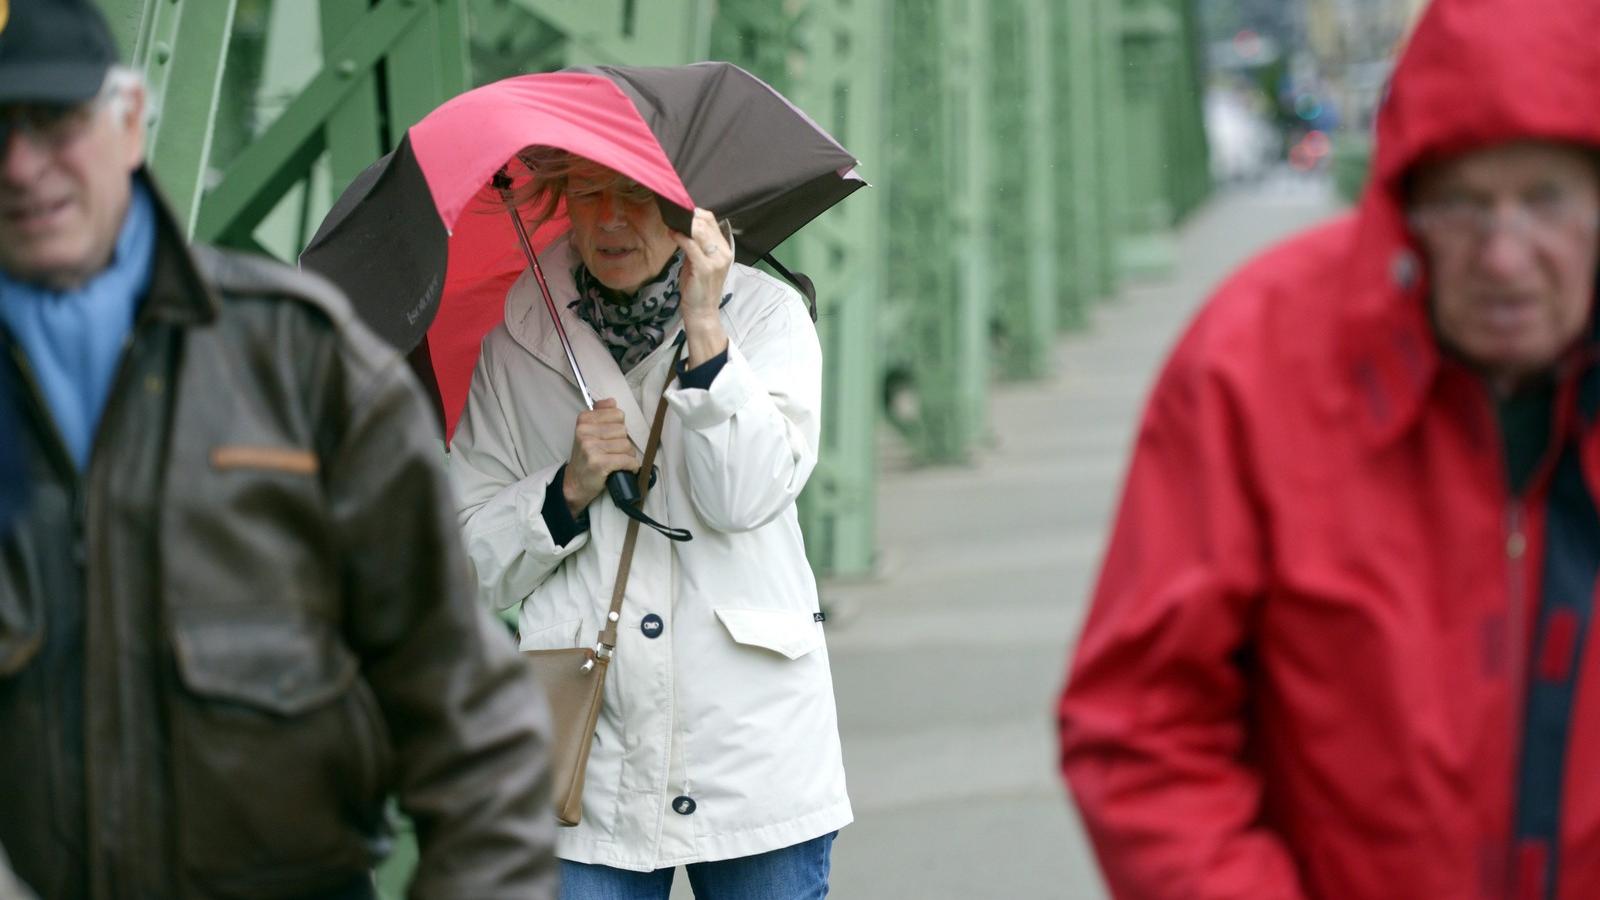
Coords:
pixel 699 409
pixel 701 376
pixel 560 522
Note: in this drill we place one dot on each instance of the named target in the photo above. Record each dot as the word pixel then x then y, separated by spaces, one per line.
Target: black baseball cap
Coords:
pixel 53 51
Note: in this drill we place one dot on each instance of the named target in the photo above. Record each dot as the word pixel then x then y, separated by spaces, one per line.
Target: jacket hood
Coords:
pixel 1480 72
pixel 1475 73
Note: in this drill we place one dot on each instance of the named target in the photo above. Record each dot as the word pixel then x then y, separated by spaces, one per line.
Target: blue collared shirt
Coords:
pixel 73 339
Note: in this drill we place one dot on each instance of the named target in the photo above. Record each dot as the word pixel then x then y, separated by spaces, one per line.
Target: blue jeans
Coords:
pixel 799 872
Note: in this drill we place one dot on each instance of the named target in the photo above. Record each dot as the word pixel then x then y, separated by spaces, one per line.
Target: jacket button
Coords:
pixel 683 806
pixel 652 626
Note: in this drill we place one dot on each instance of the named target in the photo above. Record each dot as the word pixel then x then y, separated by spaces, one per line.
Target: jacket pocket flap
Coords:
pixel 790 632
pixel 279 660
pixel 557 636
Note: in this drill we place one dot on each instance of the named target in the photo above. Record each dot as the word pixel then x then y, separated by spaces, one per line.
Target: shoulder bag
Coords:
pixel 574 677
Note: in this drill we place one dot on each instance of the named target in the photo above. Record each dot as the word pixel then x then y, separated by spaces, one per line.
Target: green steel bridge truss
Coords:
pixel 1027 157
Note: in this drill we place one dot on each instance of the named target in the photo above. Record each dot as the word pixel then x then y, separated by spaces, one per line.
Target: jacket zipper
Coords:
pixel 82 518
pixel 60 456
pixel 115 814
pixel 1516 628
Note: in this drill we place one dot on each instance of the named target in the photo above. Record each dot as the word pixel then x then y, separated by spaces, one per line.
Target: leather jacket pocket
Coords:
pixel 280 756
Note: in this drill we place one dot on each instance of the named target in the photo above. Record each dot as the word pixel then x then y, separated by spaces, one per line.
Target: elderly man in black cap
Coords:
pixel 235 615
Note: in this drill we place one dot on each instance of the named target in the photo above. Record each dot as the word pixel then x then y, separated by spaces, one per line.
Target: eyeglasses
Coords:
pixel 50 126
pixel 1542 215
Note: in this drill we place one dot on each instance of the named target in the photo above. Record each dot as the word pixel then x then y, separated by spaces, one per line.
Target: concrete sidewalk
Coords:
pixel 947 664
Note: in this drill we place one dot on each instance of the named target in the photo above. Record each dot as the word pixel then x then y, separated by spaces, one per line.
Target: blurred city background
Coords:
pixel 1057 184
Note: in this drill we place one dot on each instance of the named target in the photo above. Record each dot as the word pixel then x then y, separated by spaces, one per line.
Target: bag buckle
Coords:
pixel 600 651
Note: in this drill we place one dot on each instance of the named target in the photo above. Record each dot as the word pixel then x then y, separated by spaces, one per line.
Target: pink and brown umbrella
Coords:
pixel 421 242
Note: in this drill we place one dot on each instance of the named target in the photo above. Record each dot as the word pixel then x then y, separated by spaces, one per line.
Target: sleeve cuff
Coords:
pixel 701 376
pixel 558 519
pixel 716 404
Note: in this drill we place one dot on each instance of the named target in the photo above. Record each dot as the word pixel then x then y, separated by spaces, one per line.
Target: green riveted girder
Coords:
pixel 629 32
pixel 841 77
pixel 1044 288
pixel 760 36
pixel 1077 101
pixel 1021 187
pixel 1026 154
pixel 827 57
pixel 334 111
pixel 921 318
pixel 1191 169
pixel 1111 169
pixel 967 76
pixel 1149 44
pixel 183 88
pixel 1161 100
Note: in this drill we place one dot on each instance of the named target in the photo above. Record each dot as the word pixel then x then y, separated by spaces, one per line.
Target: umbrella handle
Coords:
pixel 624 489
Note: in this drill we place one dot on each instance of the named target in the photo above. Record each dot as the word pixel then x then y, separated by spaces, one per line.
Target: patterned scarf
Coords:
pixel 630 325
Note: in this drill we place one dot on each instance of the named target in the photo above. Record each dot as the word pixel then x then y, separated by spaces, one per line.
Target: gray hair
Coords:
pixel 120 84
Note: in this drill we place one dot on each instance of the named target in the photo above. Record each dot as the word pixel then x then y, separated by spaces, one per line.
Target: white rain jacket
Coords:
pixel 731 705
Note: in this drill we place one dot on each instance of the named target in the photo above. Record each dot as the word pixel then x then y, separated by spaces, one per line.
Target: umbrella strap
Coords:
pixel 643 518
pixel 798 279
pixel 647 466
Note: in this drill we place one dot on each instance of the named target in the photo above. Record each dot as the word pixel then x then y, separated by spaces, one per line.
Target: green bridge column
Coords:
pixel 1076 100
pixel 828 57
pixel 1149 31
pixel 842 81
pixel 629 32
pixel 1022 237
pixel 967 77
pixel 1111 165
pixel 1191 169
pixel 919 318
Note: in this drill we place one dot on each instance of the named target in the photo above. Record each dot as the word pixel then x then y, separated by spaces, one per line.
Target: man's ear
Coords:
pixel 131 122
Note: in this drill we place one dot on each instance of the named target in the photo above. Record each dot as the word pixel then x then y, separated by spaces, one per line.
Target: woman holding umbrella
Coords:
pixel 718 746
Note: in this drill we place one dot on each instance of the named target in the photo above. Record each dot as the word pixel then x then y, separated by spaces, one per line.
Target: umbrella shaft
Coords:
pixel 549 304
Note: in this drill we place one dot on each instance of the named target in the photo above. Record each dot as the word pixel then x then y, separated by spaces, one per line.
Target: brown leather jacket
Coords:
pixel 251 621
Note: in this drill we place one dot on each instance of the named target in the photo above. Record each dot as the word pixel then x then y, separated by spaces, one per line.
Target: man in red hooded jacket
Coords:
pixel 1343 645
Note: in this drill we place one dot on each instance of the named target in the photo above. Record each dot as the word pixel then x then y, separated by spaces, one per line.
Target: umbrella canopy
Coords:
pixel 421 242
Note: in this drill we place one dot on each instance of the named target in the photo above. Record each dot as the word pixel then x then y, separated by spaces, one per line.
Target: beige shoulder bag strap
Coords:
pixel 574 677
pixel 608 635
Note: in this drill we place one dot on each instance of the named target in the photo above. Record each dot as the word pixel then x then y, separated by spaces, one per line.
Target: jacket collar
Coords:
pixel 178 293
pixel 1389 356
pixel 1391 359
pixel 529 324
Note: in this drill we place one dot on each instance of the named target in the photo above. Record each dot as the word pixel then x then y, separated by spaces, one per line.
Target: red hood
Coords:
pixel 1478 72
pixel 1475 73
